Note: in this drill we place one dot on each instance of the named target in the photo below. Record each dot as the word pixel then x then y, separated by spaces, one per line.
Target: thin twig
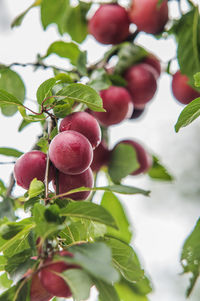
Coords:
pixel 46 180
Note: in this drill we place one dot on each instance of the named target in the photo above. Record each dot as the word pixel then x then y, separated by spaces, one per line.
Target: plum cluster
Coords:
pixel 111 22
pixel 70 153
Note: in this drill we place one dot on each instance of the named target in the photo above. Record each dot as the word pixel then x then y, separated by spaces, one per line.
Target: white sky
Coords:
pixel 160 222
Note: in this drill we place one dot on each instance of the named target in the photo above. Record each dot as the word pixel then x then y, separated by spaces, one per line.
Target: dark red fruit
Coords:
pixel 148 15
pixel 53 283
pixel 154 62
pixel 110 24
pixel 71 152
pixel 29 166
pixel 141 83
pixel 143 157
pixel 68 182
pixel 37 291
pixel 118 105
pixel 85 124
pixel 181 89
pixel 101 157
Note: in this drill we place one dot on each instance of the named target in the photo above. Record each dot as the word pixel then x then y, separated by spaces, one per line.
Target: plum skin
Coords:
pixel 182 91
pixel 29 166
pixel 118 105
pixel 68 182
pixel 143 157
pixel 101 157
pixel 148 16
pixel 153 62
pixel 53 283
pixel 37 291
pixel 110 24
pixel 141 83
pixel 70 152
pixel 83 123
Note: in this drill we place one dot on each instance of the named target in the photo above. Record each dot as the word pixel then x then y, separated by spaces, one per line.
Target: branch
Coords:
pixel 35 65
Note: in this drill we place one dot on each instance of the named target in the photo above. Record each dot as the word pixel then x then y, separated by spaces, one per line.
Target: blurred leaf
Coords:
pixel 82 63
pixel 53 11
pixel 5 282
pixel 190 257
pixel 76 23
pixel 9 294
pixel 117 80
pixel 112 204
pixel 125 260
pixel 12 83
pixel 99 80
pixel 106 291
pixel 158 171
pixel 96 259
pixel 89 211
pixel 18 20
pixel 187 32
pixel 10 152
pixel 128 55
pixel 36 188
pixel 3 262
pixel 84 94
pixel 188 114
pixel 7 209
pixel 122 189
pixel 44 90
pixel 197 79
pixel 43 144
pixel 2 188
pixel 68 50
pixel 18 264
pixel 123 162
pixel 23 124
pixel 124 289
pixel 79 283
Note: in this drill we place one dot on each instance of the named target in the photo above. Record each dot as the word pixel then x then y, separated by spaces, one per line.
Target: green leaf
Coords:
pixel 96 259
pixel 9 294
pixel 89 211
pixel 18 242
pixel 125 260
pixel 123 288
pixel 43 144
pixel 10 152
pixel 18 20
pixel 18 264
pixel 112 204
pixel 5 282
pixel 158 171
pixel 197 79
pixel 2 188
pixel 53 11
pixel 123 162
pixel 7 209
pixel 189 43
pixel 30 118
pixel 188 114
pixel 76 23
pixel 82 63
pixel 117 80
pixel 68 50
pixel 128 55
pixel 106 291
pixel 8 230
pixel 84 94
pixel 36 188
pixel 12 83
pixel 79 283
pixel 44 90
pixel 190 257
pixel 99 80
pixel 122 189
pixel 3 262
